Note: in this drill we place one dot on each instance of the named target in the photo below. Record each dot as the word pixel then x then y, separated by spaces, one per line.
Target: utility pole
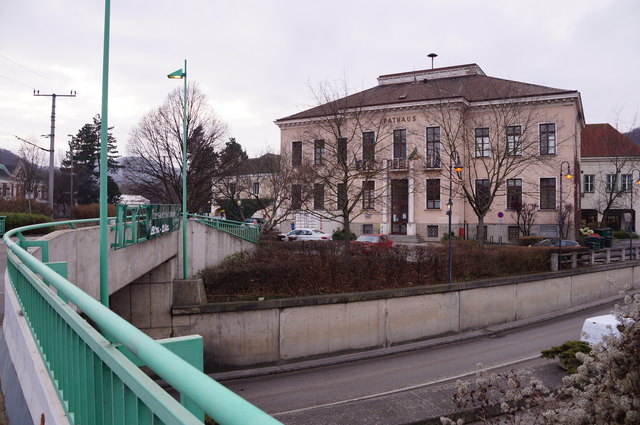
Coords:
pixel 71 156
pixel 52 137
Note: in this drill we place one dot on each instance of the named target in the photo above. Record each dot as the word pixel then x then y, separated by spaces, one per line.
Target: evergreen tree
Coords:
pixel 85 154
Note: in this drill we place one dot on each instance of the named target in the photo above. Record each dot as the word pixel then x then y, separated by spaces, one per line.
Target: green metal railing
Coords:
pixel 96 381
pixel 247 231
pixel 2 221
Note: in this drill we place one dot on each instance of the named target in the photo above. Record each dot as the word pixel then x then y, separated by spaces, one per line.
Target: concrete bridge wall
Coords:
pixel 275 331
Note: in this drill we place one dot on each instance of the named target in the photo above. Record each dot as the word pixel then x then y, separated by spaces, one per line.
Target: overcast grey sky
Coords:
pixel 255 60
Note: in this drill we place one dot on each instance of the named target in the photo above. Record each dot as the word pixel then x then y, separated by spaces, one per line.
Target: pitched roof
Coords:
pixel 267 163
pixel 603 140
pixel 468 82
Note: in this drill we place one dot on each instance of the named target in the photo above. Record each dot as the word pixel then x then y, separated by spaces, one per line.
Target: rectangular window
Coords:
pixel 483 149
pixel 589 183
pixel 433 194
pixel 296 196
pixel 547 139
pixel 400 144
pixel 296 154
pixel 368 145
pixel 513 233
pixel 548 193
pixel 342 149
pixel 318 151
pixel 432 231
pixel 342 196
pixel 318 196
pixel 256 188
pixel 625 181
pixel 432 159
pixel 612 182
pixel 482 193
pixel 514 140
pixel 367 229
pixel 232 190
pixel 368 193
pixel 514 194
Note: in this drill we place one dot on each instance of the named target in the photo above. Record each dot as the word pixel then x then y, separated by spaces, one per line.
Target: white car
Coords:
pixel 305 235
pixel 595 328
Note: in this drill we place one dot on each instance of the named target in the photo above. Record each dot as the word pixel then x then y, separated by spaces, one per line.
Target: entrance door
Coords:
pixel 399 206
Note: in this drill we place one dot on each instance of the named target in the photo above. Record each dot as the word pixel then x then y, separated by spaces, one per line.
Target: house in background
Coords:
pixel 396 142
pixel 610 167
pixel 10 187
pixel 250 182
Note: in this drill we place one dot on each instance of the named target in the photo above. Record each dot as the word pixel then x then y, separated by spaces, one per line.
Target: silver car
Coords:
pixel 305 235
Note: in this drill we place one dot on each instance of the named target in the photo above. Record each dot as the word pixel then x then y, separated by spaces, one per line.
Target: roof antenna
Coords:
pixel 432 55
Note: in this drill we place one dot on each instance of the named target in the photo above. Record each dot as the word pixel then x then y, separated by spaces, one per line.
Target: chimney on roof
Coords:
pixel 432 55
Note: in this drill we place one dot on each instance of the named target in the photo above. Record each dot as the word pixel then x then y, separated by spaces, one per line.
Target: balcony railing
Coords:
pixel 398 164
pixel 432 162
pixel 366 164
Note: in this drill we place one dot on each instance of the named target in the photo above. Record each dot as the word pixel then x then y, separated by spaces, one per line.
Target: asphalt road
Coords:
pixel 300 395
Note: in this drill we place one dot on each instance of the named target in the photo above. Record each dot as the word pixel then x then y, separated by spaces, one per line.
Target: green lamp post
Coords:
pixel 104 139
pixel 182 74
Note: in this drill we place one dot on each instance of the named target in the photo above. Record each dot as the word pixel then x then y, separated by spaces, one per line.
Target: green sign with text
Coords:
pixel 139 223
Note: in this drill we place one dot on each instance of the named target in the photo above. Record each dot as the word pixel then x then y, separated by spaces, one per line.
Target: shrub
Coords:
pixel 21 205
pixel 277 269
pixel 338 235
pixel 528 240
pixel 566 353
pixel 623 234
pixel 14 220
pixel 91 211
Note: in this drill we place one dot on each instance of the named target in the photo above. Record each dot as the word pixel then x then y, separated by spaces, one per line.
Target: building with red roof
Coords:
pixel 610 166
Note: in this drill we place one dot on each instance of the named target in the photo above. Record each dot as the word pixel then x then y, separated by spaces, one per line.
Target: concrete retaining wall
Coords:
pixel 80 249
pixel 252 333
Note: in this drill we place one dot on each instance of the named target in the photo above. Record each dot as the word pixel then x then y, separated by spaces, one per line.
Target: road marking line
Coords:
pixel 412 387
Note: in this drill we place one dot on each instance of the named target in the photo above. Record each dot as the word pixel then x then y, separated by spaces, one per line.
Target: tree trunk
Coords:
pixel 481 235
pixel 347 235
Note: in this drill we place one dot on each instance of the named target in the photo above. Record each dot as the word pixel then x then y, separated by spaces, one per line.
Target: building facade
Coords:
pixel 609 171
pixel 387 156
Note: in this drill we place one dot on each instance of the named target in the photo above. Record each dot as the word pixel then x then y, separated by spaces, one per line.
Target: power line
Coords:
pixel 27 68
pixel 52 136
pixel 15 81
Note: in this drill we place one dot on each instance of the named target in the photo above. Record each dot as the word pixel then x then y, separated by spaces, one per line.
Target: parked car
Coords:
pixel 556 242
pixel 257 221
pixel 305 235
pixel 370 242
pixel 595 328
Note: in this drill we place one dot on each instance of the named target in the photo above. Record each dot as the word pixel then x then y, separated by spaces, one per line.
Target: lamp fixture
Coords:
pixel 177 74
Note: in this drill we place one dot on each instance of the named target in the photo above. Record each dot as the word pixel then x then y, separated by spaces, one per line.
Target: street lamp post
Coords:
pixel 182 74
pixel 569 176
pixel 104 141
pixel 457 168
pixel 71 175
pixel 632 219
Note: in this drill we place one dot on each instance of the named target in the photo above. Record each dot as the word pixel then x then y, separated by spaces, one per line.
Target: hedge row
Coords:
pixel 290 269
pixel 14 220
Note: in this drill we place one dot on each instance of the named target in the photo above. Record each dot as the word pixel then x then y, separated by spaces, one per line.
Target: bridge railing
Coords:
pixel 95 382
pixel 247 231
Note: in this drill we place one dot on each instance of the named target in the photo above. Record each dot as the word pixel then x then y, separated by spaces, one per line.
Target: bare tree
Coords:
pixel 270 181
pixel 495 143
pixel 155 168
pixel 347 166
pixel 30 173
pixel 525 217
